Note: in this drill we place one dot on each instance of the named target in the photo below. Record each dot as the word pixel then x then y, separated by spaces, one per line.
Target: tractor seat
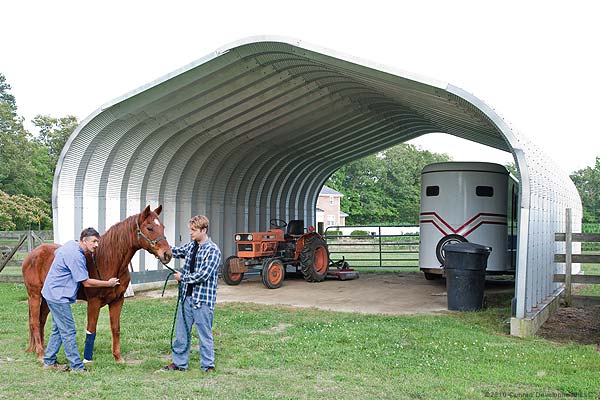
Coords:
pixel 295 228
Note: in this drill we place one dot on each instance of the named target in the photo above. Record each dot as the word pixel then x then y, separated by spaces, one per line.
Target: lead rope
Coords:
pixel 187 329
pixel 96 265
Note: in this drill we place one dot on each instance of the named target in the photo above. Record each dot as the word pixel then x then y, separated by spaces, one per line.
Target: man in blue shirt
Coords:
pixel 198 296
pixel 67 271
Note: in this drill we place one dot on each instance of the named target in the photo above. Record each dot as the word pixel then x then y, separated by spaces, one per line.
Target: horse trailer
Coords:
pixel 468 202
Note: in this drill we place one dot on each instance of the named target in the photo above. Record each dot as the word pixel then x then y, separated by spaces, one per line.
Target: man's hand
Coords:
pixel 112 282
pixel 177 276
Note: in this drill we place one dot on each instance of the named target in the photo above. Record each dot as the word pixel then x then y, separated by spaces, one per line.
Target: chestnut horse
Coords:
pixel 111 259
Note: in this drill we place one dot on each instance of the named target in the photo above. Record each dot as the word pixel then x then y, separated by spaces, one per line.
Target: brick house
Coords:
pixel 328 208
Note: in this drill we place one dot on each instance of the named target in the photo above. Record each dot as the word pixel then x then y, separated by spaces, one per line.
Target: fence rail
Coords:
pixel 372 248
pixel 588 240
pixel 15 245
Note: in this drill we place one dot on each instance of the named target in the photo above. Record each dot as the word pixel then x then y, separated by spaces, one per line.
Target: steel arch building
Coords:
pixel 252 131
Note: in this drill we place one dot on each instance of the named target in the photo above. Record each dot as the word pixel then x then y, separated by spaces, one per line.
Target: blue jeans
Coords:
pixel 203 318
pixel 63 333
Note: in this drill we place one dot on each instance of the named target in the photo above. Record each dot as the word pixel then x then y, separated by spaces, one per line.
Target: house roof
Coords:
pixel 327 191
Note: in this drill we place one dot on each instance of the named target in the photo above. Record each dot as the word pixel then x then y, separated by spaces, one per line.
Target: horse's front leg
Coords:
pixel 93 311
pixel 114 310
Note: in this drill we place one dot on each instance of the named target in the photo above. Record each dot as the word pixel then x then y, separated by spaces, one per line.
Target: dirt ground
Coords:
pixel 398 294
pixel 573 324
pixel 578 324
pixel 374 293
pixel 370 294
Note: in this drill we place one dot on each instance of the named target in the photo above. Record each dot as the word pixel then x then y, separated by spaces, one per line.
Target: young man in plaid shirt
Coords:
pixel 198 296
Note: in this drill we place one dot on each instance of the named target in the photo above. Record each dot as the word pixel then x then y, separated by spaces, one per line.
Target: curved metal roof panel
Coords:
pixel 252 131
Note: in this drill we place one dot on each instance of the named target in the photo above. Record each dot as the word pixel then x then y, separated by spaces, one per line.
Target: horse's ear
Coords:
pixel 146 212
pixel 158 210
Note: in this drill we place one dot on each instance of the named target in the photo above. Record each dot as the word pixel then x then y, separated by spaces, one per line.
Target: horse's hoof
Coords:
pixel 119 360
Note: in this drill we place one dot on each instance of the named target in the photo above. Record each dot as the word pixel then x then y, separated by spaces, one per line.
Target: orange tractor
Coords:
pixel 275 252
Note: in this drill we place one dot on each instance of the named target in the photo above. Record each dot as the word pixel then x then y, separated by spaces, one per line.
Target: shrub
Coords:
pixel 359 232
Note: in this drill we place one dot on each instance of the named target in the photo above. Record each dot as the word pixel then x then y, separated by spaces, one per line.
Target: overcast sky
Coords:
pixel 535 62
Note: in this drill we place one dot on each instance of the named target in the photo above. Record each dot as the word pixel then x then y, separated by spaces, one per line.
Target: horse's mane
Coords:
pixel 118 240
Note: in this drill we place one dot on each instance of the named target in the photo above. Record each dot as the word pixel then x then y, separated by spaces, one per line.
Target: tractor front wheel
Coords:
pixel 314 259
pixel 231 278
pixel 273 273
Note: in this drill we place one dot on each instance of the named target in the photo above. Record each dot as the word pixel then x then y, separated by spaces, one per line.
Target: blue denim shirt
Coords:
pixel 67 270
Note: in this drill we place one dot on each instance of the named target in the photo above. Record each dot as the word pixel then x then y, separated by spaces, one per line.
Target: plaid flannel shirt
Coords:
pixel 205 274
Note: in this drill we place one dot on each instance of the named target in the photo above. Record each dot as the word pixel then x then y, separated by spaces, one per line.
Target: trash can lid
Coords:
pixel 467 247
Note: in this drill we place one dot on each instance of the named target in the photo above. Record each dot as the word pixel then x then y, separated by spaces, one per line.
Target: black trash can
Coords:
pixel 465 275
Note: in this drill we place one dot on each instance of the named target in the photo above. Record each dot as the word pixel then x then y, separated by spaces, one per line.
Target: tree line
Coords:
pixel 382 188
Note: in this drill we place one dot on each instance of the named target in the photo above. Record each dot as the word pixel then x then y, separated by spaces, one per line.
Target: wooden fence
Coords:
pixel 569 258
pixel 14 245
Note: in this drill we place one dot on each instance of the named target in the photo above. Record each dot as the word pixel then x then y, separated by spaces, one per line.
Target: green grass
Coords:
pixel 265 352
pixel 590 290
pixel 11 270
pixel 367 255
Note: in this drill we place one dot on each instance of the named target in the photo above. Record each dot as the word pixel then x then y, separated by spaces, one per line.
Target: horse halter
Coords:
pixel 152 243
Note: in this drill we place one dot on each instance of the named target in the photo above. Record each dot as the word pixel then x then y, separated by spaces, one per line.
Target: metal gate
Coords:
pixel 375 247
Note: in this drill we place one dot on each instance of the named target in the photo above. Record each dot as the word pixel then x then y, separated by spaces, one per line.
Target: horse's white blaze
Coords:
pixel 156 221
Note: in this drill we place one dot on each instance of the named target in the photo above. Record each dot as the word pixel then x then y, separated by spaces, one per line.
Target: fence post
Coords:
pixel 29 241
pixel 380 255
pixel 568 256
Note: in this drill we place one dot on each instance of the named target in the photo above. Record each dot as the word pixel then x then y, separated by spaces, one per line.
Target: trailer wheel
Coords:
pixel 448 239
pixel 314 259
pixel 273 273
pixel 430 276
pixel 229 277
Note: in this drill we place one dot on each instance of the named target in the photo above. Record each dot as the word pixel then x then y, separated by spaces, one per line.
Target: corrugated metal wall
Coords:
pixel 251 133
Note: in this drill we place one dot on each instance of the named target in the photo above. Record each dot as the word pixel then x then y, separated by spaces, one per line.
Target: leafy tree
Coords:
pixel 21 212
pixel 15 151
pixel 384 188
pixel 587 182
pixel 358 181
pixel 512 168
pixel 9 120
pixel 402 183
pixel 5 96
pixel 27 164
pixel 54 133
pixel 23 169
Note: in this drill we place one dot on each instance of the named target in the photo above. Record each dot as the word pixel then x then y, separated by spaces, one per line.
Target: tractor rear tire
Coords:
pixel 314 259
pixel 273 273
pixel 229 277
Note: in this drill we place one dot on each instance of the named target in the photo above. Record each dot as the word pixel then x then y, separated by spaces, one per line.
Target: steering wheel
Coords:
pixel 278 223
